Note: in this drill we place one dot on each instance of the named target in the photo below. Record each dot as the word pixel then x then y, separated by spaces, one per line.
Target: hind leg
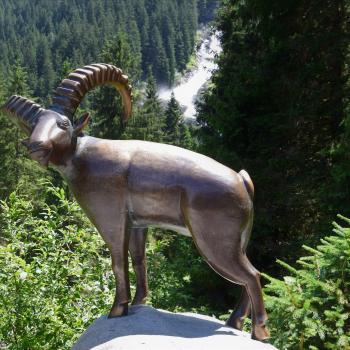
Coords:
pixel 222 249
pixel 244 272
pixel 242 310
pixel 259 315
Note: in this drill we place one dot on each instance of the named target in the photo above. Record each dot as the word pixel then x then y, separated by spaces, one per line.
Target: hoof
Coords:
pixel 235 322
pixel 260 333
pixel 139 300
pixel 118 310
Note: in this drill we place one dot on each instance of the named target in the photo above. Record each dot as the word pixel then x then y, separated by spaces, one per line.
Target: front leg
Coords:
pixel 104 200
pixel 114 231
pixel 137 248
pixel 118 246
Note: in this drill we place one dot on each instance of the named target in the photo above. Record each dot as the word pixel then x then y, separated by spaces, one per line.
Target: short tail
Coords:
pixel 248 183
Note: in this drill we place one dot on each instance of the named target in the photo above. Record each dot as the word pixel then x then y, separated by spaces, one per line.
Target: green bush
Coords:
pixel 54 273
pixel 310 308
pixel 56 278
pixel 180 279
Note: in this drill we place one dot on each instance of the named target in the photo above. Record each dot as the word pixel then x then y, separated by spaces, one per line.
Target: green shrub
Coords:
pixel 54 273
pixel 310 308
pixel 180 279
pixel 56 278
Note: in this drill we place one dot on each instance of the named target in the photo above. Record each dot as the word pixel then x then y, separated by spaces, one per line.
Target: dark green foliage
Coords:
pixel 310 308
pixel 173 115
pixel 177 273
pixel 275 108
pixel 18 83
pixel 187 137
pixel 157 50
pixel 206 9
pixel 8 133
pixel 147 120
pixel 44 34
pixel 105 101
pixel 15 166
pixel 176 131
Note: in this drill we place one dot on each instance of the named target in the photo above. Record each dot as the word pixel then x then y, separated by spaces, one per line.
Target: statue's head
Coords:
pixel 52 132
pixel 53 137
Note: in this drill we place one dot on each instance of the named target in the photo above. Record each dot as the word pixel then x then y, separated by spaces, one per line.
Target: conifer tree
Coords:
pixel 45 71
pixel 8 133
pixel 18 81
pixel 18 85
pixel 309 308
pixel 276 107
pixel 173 118
pixel 44 34
pixel 180 51
pixel 2 89
pixel 15 167
pixel 106 103
pixel 186 137
pixel 147 121
pixel 67 67
pixel 152 112
pixel 135 41
pixel 161 65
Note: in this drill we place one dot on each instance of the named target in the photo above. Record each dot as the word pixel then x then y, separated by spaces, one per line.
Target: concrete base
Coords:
pixel 147 328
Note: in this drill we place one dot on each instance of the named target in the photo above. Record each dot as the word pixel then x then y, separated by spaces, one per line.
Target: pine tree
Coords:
pixel 173 118
pixel 135 41
pixel 18 81
pixel 106 103
pixel 44 34
pixel 2 89
pixel 152 112
pixel 46 75
pixel 118 51
pixel 67 67
pixel 309 308
pixel 168 30
pixel 276 107
pixel 161 65
pixel 18 85
pixel 15 167
pixel 180 51
pixel 147 121
pixel 186 137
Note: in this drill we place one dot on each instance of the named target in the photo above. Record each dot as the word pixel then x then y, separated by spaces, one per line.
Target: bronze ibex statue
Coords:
pixel 123 186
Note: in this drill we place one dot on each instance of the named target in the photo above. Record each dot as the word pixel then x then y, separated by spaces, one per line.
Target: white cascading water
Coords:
pixel 187 90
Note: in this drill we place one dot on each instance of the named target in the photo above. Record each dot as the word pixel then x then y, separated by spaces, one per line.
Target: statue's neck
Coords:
pixel 61 156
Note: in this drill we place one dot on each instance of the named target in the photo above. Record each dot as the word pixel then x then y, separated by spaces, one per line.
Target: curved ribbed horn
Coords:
pixel 24 111
pixel 71 91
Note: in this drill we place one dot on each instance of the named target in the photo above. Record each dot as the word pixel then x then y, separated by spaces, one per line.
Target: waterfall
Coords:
pixel 188 88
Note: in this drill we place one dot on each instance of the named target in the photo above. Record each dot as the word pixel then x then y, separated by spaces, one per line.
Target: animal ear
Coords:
pixel 81 123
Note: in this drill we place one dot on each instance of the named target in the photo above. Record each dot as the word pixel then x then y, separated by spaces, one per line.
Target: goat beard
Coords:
pixel 42 156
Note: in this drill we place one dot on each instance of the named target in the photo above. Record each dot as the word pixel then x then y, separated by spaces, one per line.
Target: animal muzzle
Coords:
pixel 40 152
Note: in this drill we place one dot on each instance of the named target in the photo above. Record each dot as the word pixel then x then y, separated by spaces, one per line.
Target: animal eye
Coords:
pixel 63 124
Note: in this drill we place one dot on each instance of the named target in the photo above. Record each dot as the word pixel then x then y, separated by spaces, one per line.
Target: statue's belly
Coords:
pixel 182 230
pixel 159 208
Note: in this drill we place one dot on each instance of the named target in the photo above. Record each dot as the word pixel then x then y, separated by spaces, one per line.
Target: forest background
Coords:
pixel 277 106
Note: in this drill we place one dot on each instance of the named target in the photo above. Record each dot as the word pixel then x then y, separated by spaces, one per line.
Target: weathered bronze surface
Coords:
pixel 124 186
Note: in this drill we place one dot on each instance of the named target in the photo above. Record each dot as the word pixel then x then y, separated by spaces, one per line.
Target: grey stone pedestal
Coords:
pixel 147 328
